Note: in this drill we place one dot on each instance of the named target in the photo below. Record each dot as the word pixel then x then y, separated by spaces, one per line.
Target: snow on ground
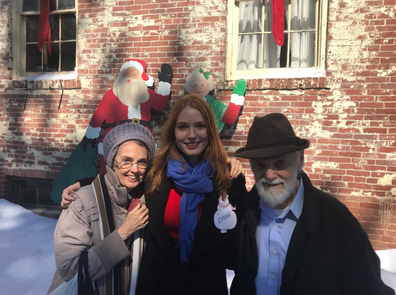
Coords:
pixel 388 267
pixel 27 261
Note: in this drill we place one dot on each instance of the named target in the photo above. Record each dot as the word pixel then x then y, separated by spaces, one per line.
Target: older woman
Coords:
pixel 189 190
pixel 106 219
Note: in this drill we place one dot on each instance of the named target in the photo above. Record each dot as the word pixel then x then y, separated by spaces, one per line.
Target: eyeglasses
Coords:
pixel 129 165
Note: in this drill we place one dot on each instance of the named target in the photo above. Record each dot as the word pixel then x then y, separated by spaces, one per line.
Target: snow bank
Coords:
pixel 27 261
pixel 388 266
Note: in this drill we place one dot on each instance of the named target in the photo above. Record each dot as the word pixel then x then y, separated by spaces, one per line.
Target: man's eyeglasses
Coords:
pixel 129 165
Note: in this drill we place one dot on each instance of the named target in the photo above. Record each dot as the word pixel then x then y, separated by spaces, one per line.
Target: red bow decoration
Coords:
pixel 278 13
pixel 44 26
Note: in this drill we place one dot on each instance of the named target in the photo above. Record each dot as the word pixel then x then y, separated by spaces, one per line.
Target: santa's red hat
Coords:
pixel 141 66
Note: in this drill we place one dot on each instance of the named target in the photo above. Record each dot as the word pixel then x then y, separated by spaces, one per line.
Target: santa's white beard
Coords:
pixel 131 93
pixel 271 196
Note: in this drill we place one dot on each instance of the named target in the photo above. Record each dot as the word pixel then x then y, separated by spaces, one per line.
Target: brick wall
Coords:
pixel 349 116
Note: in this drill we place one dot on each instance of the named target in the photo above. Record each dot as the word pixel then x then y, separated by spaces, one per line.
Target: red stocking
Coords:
pixel 44 26
pixel 278 13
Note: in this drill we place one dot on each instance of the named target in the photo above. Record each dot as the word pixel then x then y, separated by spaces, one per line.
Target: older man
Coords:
pixel 296 239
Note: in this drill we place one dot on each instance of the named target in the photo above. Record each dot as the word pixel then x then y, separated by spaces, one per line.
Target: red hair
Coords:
pixel 214 151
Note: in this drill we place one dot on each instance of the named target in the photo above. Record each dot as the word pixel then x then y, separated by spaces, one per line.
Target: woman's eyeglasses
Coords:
pixel 129 165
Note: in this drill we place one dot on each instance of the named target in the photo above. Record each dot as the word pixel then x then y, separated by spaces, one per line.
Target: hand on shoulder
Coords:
pixel 236 167
pixel 67 197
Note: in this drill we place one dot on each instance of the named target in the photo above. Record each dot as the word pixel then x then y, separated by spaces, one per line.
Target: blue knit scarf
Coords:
pixel 194 182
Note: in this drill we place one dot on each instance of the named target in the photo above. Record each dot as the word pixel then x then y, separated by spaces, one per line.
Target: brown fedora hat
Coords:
pixel 271 136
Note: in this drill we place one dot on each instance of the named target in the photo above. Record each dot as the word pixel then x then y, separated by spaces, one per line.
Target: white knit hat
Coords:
pixel 123 133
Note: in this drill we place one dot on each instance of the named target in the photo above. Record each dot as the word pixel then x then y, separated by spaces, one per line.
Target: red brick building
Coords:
pixel 341 95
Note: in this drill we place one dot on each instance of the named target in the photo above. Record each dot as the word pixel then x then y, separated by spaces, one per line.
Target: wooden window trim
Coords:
pixel 19 44
pixel 232 49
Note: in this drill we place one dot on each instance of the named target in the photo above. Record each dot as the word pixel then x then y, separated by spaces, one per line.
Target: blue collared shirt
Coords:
pixel 273 236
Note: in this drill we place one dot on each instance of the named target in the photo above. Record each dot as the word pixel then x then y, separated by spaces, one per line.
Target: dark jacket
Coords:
pixel 161 271
pixel 329 252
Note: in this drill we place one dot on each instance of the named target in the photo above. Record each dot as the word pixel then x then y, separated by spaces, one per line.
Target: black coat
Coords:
pixel 329 252
pixel 161 271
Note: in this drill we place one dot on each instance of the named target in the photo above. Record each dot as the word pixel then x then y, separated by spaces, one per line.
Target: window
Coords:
pixel 251 48
pixel 28 60
pixel 33 194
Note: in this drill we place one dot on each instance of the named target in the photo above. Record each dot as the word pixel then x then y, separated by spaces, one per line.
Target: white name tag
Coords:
pixel 225 217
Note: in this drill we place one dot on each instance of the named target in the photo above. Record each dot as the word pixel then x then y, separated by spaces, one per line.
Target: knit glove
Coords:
pixel 165 75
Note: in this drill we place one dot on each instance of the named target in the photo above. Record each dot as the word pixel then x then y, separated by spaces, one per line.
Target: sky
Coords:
pixel 27 262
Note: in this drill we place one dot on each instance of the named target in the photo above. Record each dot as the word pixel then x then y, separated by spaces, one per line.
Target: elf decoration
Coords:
pixel 130 100
pixel 201 83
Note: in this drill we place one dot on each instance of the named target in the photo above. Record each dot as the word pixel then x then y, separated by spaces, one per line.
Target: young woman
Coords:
pixel 106 219
pixel 188 186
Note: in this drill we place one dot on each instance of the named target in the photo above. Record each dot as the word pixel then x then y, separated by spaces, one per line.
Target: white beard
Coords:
pixel 131 93
pixel 274 199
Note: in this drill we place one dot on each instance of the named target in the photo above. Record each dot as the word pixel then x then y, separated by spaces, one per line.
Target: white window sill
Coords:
pixel 52 76
pixel 280 74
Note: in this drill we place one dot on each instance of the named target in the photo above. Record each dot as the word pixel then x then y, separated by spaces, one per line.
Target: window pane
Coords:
pixel 32 26
pixel 68 26
pixel 302 14
pixel 248 52
pixel 30 5
pixel 66 4
pixel 33 58
pixel 68 56
pixel 53 60
pixel 302 54
pixel 250 17
pixel 256 45
pixel 54 24
pixel 268 16
pixel 283 52
pixel 271 52
pixel 250 23
pixel 44 191
pixel 28 192
pixel 52 5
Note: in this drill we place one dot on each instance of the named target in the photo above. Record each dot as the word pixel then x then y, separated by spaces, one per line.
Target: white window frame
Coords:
pixel 232 49
pixel 19 46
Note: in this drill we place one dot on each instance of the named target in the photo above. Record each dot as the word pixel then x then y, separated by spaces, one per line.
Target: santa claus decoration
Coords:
pixel 201 82
pixel 130 100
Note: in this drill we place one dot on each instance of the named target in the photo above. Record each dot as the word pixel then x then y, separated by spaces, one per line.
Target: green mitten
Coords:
pixel 240 88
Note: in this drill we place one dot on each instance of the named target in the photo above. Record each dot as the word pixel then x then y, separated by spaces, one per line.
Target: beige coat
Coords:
pixel 78 228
